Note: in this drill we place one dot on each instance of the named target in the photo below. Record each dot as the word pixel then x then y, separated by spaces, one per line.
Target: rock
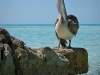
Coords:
pixel 78 58
pixel 18 59
pixel 7 66
pixel 53 64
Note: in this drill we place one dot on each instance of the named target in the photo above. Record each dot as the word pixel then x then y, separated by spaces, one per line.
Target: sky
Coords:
pixel 45 11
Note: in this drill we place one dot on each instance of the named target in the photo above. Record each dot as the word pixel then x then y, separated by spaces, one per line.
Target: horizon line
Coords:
pixel 47 23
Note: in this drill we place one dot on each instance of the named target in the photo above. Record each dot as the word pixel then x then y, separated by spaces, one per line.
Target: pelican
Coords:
pixel 66 26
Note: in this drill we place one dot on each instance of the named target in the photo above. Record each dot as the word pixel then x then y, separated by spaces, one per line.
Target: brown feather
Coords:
pixel 63 43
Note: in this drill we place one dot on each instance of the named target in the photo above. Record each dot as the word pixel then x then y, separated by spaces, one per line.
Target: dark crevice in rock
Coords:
pixel 45 59
pixel 2 54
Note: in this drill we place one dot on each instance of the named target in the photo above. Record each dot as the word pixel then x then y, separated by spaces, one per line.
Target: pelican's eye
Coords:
pixel 74 33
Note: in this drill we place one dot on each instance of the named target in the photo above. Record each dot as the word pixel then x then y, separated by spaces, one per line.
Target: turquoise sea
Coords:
pixel 41 35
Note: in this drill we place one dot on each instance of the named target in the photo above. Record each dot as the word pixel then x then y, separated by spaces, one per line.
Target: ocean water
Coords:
pixel 42 35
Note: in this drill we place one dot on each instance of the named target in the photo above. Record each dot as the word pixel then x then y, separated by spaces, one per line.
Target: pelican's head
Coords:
pixel 73 24
pixel 73 18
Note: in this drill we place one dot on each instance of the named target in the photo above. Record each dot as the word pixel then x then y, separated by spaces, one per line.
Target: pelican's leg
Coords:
pixel 59 44
pixel 69 44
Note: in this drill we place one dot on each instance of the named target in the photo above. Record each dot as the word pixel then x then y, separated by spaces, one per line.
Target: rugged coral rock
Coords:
pixel 17 59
